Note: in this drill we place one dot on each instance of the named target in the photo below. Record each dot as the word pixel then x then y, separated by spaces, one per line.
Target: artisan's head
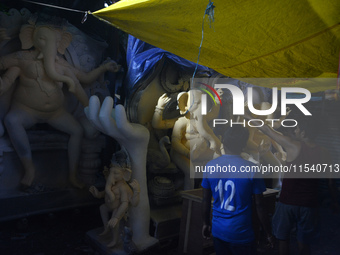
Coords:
pixel 235 139
pixel 307 128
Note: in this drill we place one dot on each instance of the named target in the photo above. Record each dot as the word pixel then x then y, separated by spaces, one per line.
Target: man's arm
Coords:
pixel 291 146
pixel 206 208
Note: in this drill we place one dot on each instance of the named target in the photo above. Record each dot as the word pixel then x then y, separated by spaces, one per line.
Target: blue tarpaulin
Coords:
pixel 142 57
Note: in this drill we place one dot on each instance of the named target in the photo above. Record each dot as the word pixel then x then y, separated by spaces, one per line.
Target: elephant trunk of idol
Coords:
pixel 50 55
pixel 110 182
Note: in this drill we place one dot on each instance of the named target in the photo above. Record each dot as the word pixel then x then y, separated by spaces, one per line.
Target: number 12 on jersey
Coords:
pixel 220 188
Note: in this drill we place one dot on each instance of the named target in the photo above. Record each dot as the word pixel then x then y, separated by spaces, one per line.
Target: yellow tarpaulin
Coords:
pixel 248 39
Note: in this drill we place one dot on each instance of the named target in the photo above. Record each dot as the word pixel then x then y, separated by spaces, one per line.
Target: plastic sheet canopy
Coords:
pixel 142 58
pixel 248 39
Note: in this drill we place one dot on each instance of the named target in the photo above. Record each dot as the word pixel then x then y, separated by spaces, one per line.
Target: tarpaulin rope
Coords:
pixel 62 8
pixel 210 12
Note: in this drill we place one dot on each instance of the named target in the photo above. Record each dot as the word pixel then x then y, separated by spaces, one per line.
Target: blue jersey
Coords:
pixel 232 193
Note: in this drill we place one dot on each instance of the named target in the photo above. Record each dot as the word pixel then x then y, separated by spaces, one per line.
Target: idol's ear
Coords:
pixel 26 36
pixel 65 41
pixel 127 174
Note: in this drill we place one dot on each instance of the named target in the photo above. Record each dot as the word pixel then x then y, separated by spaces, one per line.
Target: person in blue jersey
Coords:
pixel 233 192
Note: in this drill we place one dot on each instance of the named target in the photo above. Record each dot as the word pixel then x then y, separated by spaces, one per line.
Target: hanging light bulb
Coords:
pixel 107 3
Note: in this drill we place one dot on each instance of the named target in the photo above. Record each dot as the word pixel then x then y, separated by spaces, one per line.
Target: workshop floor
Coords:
pixel 64 233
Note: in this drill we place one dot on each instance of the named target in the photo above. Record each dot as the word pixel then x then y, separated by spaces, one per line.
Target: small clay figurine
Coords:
pixel 118 195
pixel 134 138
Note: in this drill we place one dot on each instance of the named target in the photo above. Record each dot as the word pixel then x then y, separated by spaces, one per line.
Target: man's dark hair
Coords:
pixel 235 138
pixel 310 125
